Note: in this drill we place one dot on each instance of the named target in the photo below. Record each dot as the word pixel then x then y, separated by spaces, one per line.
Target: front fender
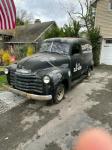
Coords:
pixel 58 76
pixel 12 66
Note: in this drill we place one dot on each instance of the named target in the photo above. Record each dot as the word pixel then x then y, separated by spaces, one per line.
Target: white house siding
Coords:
pixel 103 20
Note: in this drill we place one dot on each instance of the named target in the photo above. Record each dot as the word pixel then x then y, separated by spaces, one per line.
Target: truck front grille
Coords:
pixel 26 82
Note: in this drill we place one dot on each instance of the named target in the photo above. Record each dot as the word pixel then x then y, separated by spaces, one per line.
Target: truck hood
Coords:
pixel 43 61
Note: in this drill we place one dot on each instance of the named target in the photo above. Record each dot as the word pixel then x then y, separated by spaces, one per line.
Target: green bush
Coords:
pixel 71 30
pixel 54 32
pixel 3 81
pixel 95 38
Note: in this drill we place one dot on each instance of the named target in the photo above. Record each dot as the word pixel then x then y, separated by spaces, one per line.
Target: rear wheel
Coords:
pixel 59 94
pixel 89 72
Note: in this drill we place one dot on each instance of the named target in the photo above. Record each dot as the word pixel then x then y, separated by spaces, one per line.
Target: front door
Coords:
pixel 76 61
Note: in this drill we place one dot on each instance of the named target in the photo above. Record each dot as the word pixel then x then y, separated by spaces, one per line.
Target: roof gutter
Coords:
pixel 93 3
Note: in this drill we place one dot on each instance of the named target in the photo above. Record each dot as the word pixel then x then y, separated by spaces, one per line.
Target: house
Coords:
pixel 5 37
pixel 104 21
pixel 26 34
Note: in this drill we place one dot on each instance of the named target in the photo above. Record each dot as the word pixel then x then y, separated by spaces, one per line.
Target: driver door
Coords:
pixel 76 60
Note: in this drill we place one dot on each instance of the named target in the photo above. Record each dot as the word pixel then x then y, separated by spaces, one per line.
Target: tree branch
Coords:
pixel 82 10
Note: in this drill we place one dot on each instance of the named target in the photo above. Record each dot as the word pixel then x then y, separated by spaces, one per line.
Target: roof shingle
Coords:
pixel 27 33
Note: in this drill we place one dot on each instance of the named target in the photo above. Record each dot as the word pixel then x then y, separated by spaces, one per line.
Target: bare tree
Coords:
pixel 85 14
pixel 23 17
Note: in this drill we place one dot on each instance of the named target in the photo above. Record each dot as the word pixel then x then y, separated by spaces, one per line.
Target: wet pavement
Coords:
pixel 36 126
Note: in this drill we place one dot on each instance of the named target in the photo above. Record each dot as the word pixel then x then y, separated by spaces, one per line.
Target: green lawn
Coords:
pixel 2 68
pixel 3 81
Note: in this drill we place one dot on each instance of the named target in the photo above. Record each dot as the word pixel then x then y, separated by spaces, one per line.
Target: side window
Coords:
pixel 86 48
pixel 108 41
pixel 110 5
pixel 76 49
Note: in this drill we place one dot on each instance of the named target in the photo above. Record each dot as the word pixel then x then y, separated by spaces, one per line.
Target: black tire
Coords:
pixel 59 94
pixel 89 73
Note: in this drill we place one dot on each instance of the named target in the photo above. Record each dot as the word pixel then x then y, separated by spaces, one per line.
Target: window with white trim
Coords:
pixel 109 41
pixel 110 5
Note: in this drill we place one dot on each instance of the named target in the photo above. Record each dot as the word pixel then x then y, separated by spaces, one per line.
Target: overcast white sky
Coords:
pixel 47 10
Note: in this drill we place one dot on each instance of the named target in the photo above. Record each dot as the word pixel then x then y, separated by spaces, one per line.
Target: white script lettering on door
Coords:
pixel 77 67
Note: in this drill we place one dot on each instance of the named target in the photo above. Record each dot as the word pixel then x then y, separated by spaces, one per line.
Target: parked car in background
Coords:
pixel 49 73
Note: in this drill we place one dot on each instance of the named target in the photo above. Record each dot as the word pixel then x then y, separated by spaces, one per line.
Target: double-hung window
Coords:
pixel 110 5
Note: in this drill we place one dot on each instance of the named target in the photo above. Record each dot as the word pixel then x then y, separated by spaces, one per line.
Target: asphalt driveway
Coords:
pixel 35 126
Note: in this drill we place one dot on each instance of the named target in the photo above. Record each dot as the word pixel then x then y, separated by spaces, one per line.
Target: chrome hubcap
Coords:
pixel 60 93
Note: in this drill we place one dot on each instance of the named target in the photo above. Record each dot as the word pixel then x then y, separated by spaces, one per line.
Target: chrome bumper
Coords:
pixel 30 96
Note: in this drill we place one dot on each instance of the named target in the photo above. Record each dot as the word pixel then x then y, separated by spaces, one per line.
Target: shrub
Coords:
pixel 54 32
pixel 23 51
pixel 95 38
pixel 6 58
pixel 30 51
pixel 71 30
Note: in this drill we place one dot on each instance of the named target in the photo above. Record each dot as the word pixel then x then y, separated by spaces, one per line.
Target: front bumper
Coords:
pixel 30 96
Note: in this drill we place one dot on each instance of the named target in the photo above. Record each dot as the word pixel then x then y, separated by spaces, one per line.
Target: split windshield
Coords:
pixel 55 47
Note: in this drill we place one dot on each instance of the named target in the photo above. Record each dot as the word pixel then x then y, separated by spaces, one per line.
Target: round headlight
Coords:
pixel 46 79
pixel 6 71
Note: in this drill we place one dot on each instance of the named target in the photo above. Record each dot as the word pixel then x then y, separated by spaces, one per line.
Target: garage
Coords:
pixel 106 52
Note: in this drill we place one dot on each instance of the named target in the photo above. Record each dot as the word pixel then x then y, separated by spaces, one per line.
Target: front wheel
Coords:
pixel 59 94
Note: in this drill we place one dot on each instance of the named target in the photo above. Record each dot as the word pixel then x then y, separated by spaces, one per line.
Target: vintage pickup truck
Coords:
pixel 49 73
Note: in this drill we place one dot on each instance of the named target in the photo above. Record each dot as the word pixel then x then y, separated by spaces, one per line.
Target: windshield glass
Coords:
pixel 55 47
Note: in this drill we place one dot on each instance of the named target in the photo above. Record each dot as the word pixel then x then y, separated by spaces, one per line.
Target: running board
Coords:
pixel 77 81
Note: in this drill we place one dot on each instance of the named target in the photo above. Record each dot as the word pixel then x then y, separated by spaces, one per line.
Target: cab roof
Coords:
pixel 67 40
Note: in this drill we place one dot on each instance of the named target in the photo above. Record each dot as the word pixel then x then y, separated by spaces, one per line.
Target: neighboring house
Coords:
pixel 104 21
pixel 5 37
pixel 27 34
